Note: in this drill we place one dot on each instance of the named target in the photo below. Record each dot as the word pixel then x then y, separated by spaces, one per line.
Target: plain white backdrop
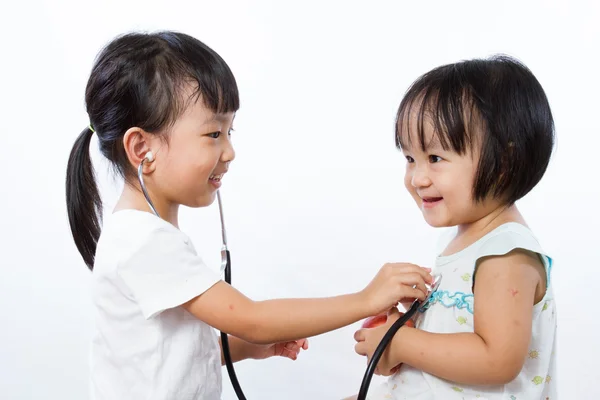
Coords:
pixel 314 202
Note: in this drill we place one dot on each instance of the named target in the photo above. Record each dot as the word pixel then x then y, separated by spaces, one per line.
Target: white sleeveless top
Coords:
pixel 450 310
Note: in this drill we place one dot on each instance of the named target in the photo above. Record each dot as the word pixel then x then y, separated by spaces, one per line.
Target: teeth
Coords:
pixel 216 177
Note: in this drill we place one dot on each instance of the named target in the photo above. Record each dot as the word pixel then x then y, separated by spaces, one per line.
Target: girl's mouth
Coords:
pixel 215 177
pixel 215 180
pixel 429 202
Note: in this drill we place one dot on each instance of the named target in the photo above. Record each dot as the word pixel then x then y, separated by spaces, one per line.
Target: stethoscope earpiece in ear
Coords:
pixel 149 157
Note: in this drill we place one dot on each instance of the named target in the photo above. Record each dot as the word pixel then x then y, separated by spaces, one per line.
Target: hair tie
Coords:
pixel 91 129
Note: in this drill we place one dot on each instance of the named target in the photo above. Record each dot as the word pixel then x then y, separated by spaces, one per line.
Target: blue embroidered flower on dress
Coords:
pixel 459 300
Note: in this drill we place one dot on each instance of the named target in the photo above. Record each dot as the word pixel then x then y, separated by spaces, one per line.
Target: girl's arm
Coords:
pixel 270 321
pixel 506 289
pixel 236 348
pixel 242 350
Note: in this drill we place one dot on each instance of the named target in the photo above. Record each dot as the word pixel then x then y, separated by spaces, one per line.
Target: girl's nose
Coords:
pixel 420 178
pixel 228 153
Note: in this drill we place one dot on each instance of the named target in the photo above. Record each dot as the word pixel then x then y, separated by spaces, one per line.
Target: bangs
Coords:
pixel 216 87
pixel 443 101
pixel 175 64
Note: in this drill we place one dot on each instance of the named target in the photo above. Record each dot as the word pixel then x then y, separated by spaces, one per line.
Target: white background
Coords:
pixel 314 202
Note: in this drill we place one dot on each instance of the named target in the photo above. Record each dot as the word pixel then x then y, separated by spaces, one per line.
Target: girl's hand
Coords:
pixel 368 340
pixel 285 349
pixel 395 283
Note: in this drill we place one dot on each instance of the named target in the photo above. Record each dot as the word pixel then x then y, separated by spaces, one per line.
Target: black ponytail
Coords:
pixel 84 205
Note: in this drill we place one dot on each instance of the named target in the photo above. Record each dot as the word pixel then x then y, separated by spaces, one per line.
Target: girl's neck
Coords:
pixel 470 233
pixel 133 198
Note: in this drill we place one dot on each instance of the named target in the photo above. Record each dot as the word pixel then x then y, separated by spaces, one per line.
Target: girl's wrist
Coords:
pixel 240 349
pixel 360 302
pixel 246 350
pixel 397 345
pixel 251 351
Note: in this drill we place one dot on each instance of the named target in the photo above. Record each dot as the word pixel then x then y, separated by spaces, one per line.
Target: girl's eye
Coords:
pixel 230 131
pixel 410 159
pixel 435 159
pixel 215 135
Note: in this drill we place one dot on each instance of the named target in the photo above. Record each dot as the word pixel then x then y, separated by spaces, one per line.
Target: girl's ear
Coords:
pixel 138 145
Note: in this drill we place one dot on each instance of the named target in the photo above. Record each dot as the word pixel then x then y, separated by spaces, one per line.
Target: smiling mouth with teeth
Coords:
pixel 216 178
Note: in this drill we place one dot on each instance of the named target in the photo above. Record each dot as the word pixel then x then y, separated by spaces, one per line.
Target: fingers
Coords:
pixel 292 349
pixel 408 268
pixel 361 348
pixel 416 293
pixel 411 275
pixel 413 278
pixel 359 335
pixel 423 289
pixel 291 353
pixel 297 344
pixel 413 285
pixel 291 346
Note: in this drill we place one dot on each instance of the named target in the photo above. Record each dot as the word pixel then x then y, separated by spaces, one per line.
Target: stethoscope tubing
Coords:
pixel 387 338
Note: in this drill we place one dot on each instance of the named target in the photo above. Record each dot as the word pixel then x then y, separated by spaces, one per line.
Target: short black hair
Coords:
pixel 498 97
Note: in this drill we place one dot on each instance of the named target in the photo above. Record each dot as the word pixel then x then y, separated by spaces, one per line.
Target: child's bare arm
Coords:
pixel 506 289
pixel 237 349
pixel 271 321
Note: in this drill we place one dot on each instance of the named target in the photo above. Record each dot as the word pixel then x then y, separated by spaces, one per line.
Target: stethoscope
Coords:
pixel 226 267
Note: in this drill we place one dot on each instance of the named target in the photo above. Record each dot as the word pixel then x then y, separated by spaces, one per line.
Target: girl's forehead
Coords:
pixel 433 127
pixel 223 117
pixel 202 113
pixel 418 130
pixel 413 141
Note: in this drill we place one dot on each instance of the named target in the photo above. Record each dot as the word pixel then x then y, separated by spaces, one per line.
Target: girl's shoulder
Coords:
pixel 129 232
pixel 501 240
pixel 151 261
pixel 508 237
